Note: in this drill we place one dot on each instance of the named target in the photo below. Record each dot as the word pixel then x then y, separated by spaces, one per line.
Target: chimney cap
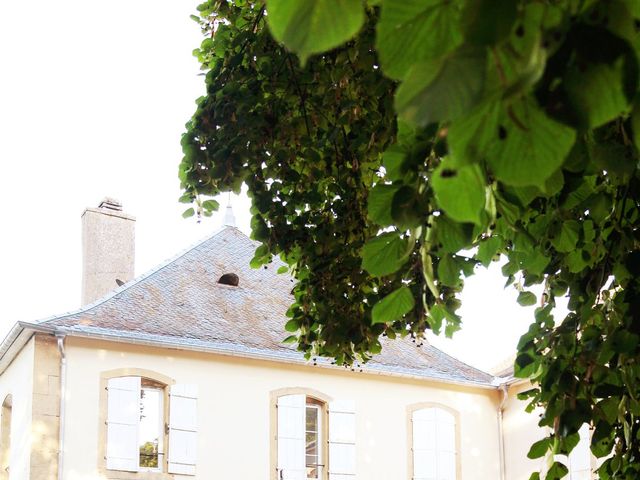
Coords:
pixel 110 203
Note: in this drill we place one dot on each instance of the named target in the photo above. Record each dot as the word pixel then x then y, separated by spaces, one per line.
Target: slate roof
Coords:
pixel 181 304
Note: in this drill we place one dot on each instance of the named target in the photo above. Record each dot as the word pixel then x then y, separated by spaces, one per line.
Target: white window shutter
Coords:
pixel 446 444
pixel 580 456
pixel 342 440
pixel 433 444
pixel 183 427
pixel 123 415
pixel 291 441
pixel 424 444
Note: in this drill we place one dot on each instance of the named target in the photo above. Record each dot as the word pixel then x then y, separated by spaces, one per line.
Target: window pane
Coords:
pixel 434 444
pixel 150 427
pixel 311 441
pixel 312 419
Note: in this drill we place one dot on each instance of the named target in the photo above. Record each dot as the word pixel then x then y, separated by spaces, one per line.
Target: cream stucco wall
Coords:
pixel 17 381
pixel 234 411
pixel 521 430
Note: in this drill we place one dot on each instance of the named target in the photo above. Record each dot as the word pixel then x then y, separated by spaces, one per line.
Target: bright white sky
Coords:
pixel 93 100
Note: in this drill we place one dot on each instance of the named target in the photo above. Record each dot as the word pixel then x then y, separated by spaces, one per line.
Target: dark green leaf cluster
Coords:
pixel 419 139
pixel 307 142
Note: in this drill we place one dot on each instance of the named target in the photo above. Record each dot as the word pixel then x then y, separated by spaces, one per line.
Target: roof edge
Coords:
pixel 15 340
pixel 258 354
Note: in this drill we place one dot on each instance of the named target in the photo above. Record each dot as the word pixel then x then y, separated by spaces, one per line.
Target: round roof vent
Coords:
pixel 229 279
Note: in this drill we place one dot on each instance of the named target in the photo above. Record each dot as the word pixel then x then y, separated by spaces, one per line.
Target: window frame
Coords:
pixel 583 441
pixel 312 403
pixel 162 421
pixel 424 405
pixel 6 416
pixel 144 473
pixel 319 399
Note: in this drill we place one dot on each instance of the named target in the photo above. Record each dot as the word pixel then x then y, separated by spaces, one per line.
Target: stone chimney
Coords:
pixel 108 249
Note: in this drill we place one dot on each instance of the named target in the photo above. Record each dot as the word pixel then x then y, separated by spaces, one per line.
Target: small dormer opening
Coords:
pixel 229 279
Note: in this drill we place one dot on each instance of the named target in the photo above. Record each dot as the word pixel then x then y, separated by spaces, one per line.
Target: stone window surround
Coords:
pixel 5 436
pixel 319 397
pixel 419 406
pixel 102 425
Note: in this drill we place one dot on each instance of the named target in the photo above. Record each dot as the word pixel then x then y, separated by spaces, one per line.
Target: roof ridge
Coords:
pixel 140 278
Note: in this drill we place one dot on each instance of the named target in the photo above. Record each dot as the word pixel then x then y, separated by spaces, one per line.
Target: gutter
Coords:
pixel 504 389
pixel 256 355
pixel 63 391
pixel 15 340
pixel 23 331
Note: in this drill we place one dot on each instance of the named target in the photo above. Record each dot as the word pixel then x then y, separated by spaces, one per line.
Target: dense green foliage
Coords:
pixel 434 136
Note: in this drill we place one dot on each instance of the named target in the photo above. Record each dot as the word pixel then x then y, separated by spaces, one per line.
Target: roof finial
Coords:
pixel 229 217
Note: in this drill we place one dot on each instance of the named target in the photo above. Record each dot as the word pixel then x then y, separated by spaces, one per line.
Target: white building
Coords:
pixel 181 373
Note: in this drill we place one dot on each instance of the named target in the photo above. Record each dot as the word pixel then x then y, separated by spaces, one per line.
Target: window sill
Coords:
pixel 123 475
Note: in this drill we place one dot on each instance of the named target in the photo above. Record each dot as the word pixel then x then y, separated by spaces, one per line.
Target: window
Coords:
pixel 142 434
pixel 579 460
pixel 433 444
pixel 315 439
pixel 313 435
pixel 151 431
pixel 5 437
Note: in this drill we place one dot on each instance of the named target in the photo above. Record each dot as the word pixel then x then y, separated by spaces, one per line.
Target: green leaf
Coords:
pixel 448 271
pixel 486 22
pixel 385 254
pixel 189 212
pixel 602 438
pixel 292 325
pixel 624 342
pixel 557 471
pixel 210 205
pixel 597 93
pixel 411 31
pixel 283 269
pixel 526 299
pixel 580 193
pixel 379 204
pixel 568 236
pixel 635 125
pixel 261 257
pixel 575 261
pixel 405 208
pixel 602 82
pixel 448 183
pixel 187 197
pixel 393 306
pixel 393 161
pixel 519 143
pixel 487 250
pixel 453 236
pixel 291 339
pixel 441 90
pixel 524 366
pixel 308 27
pixel 437 314
pixel 539 448
pixel 534 262
pixel 609 408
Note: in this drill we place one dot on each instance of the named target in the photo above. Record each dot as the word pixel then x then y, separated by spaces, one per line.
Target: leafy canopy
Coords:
pixel 392 147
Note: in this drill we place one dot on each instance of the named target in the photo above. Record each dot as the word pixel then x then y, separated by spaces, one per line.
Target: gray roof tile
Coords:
pixel 182 303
